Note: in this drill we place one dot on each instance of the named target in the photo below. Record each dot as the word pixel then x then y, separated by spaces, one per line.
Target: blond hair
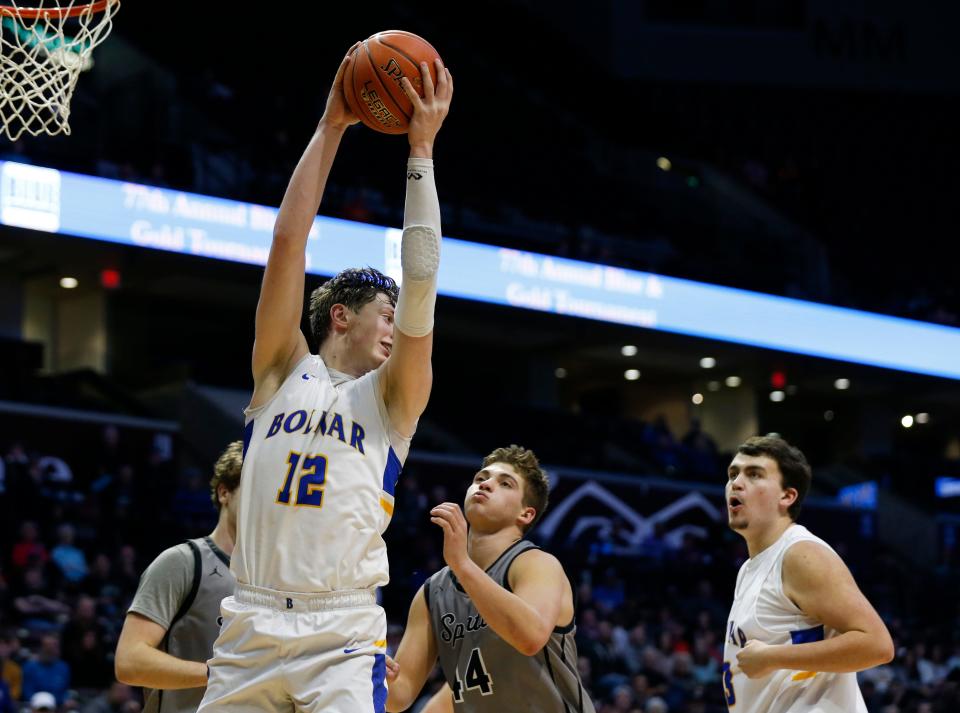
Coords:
pixel 226 471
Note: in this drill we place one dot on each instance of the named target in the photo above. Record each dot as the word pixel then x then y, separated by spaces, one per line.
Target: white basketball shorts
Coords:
pixel 288 651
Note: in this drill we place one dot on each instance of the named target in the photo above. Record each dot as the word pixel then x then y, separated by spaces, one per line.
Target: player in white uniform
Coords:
pixel 325 439
pixel 800 628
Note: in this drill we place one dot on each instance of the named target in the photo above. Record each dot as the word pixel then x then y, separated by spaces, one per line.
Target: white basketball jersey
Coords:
pixel 317 487
pixel 763 612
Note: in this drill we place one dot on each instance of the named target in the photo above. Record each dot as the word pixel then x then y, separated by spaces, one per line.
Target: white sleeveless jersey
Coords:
pixel 763 612
pixel 317 484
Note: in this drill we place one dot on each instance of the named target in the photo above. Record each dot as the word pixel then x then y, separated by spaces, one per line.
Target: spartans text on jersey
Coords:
pixel 453 630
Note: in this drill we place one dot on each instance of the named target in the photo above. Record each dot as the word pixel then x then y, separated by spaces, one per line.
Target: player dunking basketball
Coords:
pixel 799 628
pixel 325 438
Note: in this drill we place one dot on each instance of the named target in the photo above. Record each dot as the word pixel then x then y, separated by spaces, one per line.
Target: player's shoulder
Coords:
pixel 533 553
pixel 533 561
pixel 171 570
pixel 810 557
pixel 181 553
pixel 292 374
pixel 798 536
pixel 178 558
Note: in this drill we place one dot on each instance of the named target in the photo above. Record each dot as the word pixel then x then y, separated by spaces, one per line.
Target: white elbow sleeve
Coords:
pixel 419 251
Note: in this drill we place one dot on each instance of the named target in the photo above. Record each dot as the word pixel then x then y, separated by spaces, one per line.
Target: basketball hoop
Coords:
pixel 43 49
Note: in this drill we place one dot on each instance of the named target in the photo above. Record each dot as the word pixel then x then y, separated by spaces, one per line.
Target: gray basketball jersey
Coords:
pixel 485 673
pixel 197 624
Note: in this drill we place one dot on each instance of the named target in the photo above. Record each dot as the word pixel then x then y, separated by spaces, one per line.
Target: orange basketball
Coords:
pixel 371 83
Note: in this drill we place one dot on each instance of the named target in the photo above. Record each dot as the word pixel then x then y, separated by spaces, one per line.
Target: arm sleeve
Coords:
pixel 419 251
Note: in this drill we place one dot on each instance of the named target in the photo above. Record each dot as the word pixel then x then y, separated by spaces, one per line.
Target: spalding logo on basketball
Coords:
pixel 372 86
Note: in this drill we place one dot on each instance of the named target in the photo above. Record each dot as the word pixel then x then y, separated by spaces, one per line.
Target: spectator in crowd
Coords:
pixel 706 668
pixel 55 470
pixel 609 594
pixel 10 671
pixel 27 491
pixel 191 502
pixel 682 681
pixel 47 671
pixel 43 702
pixel 101 576
pixel 127 574
pixel 84 648
pixel 118 699
pixel 7 701
pixel 36 603
pixel 69 558
pixel 15 466
pixel 29 550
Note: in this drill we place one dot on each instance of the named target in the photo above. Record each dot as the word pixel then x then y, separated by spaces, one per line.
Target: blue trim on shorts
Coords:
pixel 379 677
pixel 392 472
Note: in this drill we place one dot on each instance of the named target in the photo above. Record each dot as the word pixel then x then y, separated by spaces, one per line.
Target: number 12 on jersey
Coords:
pixel 477 677
pixel 313 476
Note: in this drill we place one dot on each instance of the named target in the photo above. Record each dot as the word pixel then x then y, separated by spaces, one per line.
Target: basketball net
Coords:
pixel 43 49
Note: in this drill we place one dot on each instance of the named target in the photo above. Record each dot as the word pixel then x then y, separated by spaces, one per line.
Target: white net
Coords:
pixel 43 49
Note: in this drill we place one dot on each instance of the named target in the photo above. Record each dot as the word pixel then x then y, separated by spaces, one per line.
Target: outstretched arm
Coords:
pixel 820 584
pixel 279 343
pixel 407 376
pixel 416 656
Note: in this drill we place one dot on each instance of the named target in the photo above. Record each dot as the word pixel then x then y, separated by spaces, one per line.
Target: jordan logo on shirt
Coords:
pixel 216 571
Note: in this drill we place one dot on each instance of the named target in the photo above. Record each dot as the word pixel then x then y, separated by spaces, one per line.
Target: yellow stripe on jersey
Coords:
pixel 803 675
pixel 386 505
pixel 382 644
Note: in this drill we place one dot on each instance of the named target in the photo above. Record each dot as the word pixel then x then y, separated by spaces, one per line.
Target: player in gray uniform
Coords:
pixel 173 620
pixel 500 615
